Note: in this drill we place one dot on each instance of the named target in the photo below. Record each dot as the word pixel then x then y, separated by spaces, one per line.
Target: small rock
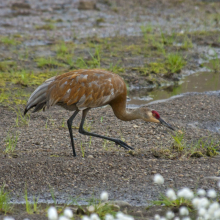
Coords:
pixel 87 5
pixel 90 156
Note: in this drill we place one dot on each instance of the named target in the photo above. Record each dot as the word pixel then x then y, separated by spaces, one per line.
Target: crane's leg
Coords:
pixel 69 123
pixel 117 141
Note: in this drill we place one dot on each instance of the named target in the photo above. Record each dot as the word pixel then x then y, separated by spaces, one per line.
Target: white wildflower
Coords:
pixel 176 218
pixel 201 192
pixel 68 213
pixel 171 194
pixel 91 208
pixel 200 218
pixel 157 217
pixel 202 211
pixel 203 203
pixel 94 216
pixel 122 216
pixel 211 193
pixel 63 218
pixel 186 218
pixel 52 213
pixel 184 211
pixel 195 202
pixel 109 217
pixel 85 218
pixel 8 218
pixel 170 215
pixel 158 179
pixel 217 214
pixel 104 196
pixel 186 193
pixel 162 218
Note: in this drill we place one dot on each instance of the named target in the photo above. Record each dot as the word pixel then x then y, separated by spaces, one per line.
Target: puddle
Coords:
pixel 198 82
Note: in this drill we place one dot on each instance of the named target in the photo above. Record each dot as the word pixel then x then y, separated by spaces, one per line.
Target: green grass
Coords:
pixel 8 41
pixel 31 207
pixel 5 207
pixel 163 200
pixel 48 62
pixel 21 119
pixel 175 62
pixel 203 147
pixel 7 65
pixel 82 149
pixel 187 43
pixel 11 142
pixel 46 27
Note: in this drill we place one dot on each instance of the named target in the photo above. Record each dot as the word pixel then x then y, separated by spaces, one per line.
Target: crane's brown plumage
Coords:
pixel 85 89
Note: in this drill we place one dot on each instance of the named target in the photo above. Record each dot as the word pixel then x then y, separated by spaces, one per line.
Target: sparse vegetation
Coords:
pixel 175 62
pixel 203 147
pixel 5 206
pixel 11 142
pixel 49 26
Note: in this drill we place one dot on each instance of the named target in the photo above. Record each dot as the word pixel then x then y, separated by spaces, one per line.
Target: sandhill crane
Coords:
pixel 81 90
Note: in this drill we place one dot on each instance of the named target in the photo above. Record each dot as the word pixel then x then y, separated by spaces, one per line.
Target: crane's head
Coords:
pixel 153 116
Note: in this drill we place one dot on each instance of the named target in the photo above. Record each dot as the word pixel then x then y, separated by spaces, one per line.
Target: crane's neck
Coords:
pixel 122 113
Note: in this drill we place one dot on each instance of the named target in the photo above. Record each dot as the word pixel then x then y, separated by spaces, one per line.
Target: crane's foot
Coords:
pixel 124 145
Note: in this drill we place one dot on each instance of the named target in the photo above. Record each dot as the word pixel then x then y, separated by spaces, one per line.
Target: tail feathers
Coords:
pixel 38 98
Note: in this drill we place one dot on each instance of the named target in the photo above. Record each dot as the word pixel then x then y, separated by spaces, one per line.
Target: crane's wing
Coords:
pixel 85 88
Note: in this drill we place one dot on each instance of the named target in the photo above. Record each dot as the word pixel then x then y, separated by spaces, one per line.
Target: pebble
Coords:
pixel 90 157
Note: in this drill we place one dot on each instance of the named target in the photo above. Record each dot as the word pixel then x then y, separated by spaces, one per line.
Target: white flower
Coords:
pixel 202 211
pixel 85 218
pixel 211 193
pixel 8 218
pixel 63 218
pixel 171 194
pixel 68 213
pixel 104 196
pixel 109 217
pixel 94 216
pixel 185 193
pixel 195 202
pixel 184 211
pixel 162 218
pixel 212 208
pixel 176 218
pixel 52 213
pixel 158 179
pixel 200 218
pixel 201 192
pixel 122 216
pixel 91 208
pixel 186 218
pixel 203 203
pixel 157 217
pixel 217 214
pixel 169 215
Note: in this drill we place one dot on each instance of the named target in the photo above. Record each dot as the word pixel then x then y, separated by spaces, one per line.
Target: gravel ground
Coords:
pixel 43 156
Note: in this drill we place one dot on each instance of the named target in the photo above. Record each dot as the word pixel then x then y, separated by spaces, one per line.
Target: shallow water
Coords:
pixel 198 82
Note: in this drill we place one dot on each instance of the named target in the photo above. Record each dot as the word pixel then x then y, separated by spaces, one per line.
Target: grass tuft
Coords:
pixel 5 207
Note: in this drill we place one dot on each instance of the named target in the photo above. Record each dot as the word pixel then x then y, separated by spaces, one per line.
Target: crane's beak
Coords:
pixel 166 124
